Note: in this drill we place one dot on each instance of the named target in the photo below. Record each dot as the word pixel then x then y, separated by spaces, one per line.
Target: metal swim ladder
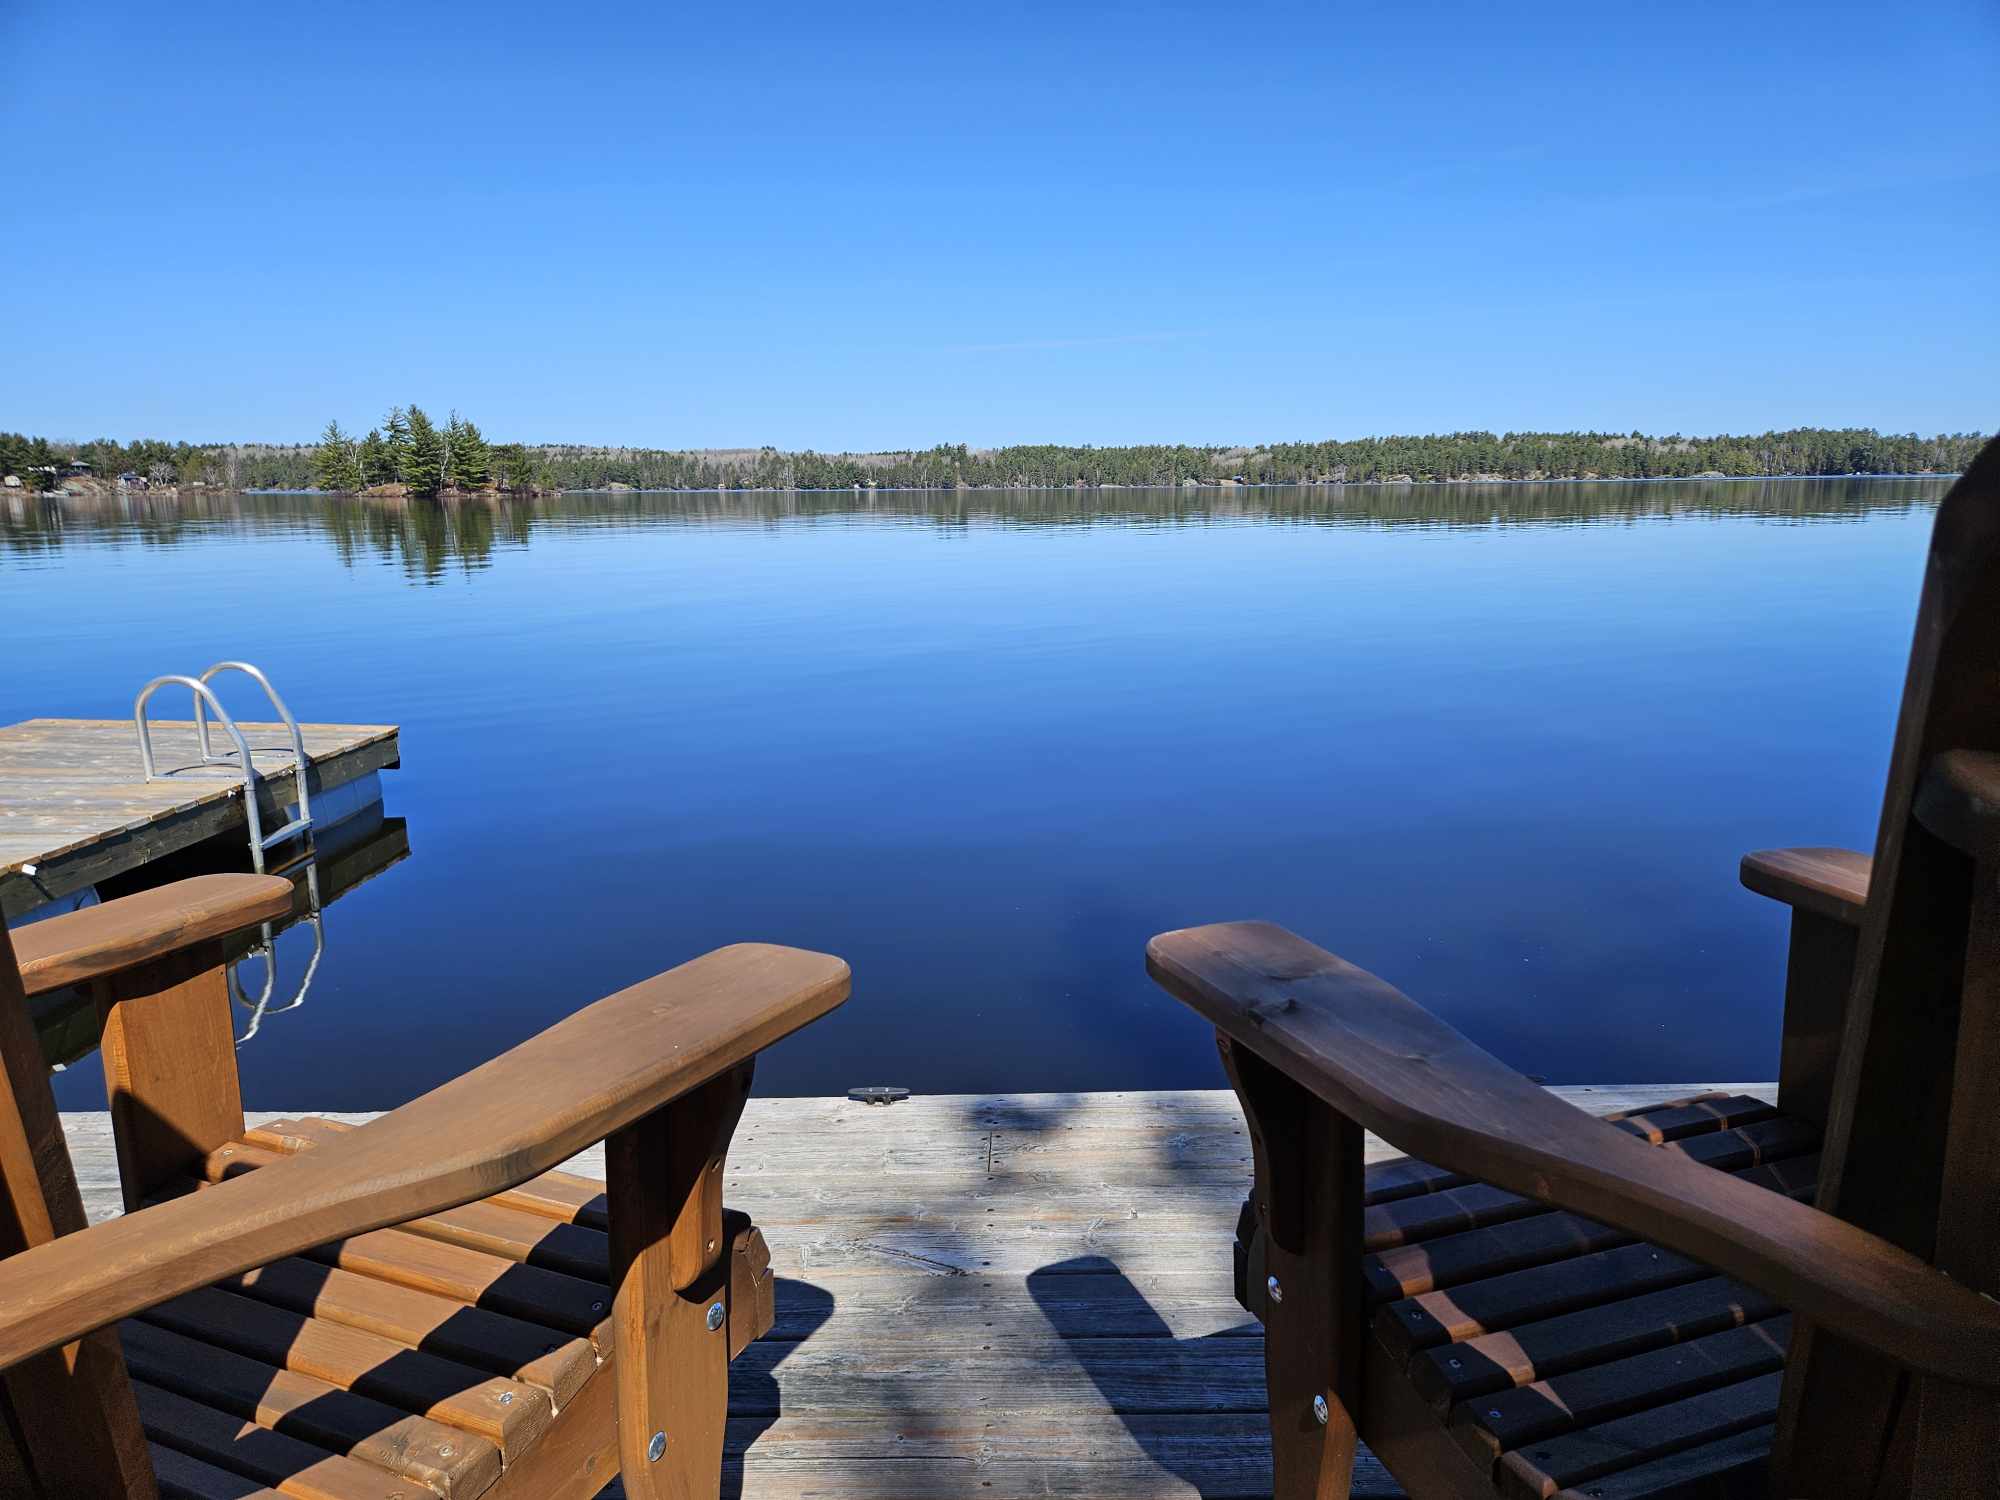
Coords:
pixel 205 700
pixel 299 827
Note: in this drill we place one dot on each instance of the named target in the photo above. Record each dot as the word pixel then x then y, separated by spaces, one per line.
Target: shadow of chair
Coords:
pixel 1199 1413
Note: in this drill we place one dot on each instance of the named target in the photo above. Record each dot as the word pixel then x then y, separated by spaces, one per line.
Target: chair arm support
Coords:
pixel 585 1078
pixel 1831 882
pixel 99 940
pixel 1384 1062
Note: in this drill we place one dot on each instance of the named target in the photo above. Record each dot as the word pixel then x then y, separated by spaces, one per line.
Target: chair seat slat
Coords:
pixel 1452 1373
pixel 364 1363
pixel 453 1463
pixel 1487 1426
pixel 306 1471
pixel 443 1326
pixel 1593 1453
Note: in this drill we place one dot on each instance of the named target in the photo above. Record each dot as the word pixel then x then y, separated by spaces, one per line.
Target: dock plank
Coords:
pixel 1000 1296
pixel 73 803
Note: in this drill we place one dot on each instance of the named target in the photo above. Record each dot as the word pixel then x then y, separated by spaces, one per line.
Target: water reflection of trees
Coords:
pixel 426 538
pixel 429 540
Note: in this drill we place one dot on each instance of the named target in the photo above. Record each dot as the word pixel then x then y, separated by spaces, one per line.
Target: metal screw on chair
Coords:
pixel 444 1450
pixel 1271 1285
pixel 715 1316
pixel 597 1307
pixel 1455 1364
pixel 505 1398
pixel 1320 1413
pixel 657 1448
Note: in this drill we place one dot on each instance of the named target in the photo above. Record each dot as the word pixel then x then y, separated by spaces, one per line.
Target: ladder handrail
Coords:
pixel 202 691
pixel 267 950
pixel 209 757
pixel 204 700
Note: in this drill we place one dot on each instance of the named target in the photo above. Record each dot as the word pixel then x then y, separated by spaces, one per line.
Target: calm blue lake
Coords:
pixel 1503 745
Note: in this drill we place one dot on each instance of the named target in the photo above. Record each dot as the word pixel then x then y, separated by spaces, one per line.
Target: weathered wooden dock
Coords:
pixel 75 808
pixel 992 1296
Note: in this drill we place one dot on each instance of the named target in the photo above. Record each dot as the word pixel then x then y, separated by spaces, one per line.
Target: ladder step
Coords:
pixel 291 829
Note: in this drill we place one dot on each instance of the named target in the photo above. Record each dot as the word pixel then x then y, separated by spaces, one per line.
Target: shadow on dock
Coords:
pixel 1187 1454
pixel 755 1402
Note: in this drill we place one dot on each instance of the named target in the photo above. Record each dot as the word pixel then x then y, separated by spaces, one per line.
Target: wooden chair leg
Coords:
pixel 69 1414
pixel 169 1067
pixel 1308 1206
pixel 753 1291
pixel 1818 974
pixel 670 1272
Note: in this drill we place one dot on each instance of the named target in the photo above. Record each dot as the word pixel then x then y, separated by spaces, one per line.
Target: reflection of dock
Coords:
pixel 348 854
pixel 76 810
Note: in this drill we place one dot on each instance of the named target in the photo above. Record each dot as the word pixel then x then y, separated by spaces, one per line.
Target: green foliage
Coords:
pixel 423 461
pixel 396 439
pixel 468 461
pixel 1464 455
pixel 378 465
pixel 30 460
pixel 408 446
pixel 199 466
pixel 517 467
pixel 337 465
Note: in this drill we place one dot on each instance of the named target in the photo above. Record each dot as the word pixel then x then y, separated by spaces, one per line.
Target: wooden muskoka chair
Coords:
pixel 418 1307
pixel 1712 1298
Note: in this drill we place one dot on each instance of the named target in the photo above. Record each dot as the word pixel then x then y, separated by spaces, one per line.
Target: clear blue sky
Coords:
pixel 869 226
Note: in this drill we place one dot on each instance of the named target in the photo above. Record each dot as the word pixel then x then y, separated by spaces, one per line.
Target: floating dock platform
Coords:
pixel 76 810
pixel 991 1297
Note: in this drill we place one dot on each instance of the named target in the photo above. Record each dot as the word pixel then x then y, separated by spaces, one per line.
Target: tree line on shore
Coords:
pixel 409 449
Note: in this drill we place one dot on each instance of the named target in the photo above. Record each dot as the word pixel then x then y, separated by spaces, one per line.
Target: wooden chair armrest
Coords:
pixel 1379 1059
pixel 590 1076
pixel 99 940
pixel 1831 882
pixel 1958 799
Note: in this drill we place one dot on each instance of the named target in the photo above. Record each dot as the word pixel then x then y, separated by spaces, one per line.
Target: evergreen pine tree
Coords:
pixel 378 466
pixel 396 440
pixel 41 459
pixel 517 469
pixel 423 460
pixel 336 466
pixel 469 460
